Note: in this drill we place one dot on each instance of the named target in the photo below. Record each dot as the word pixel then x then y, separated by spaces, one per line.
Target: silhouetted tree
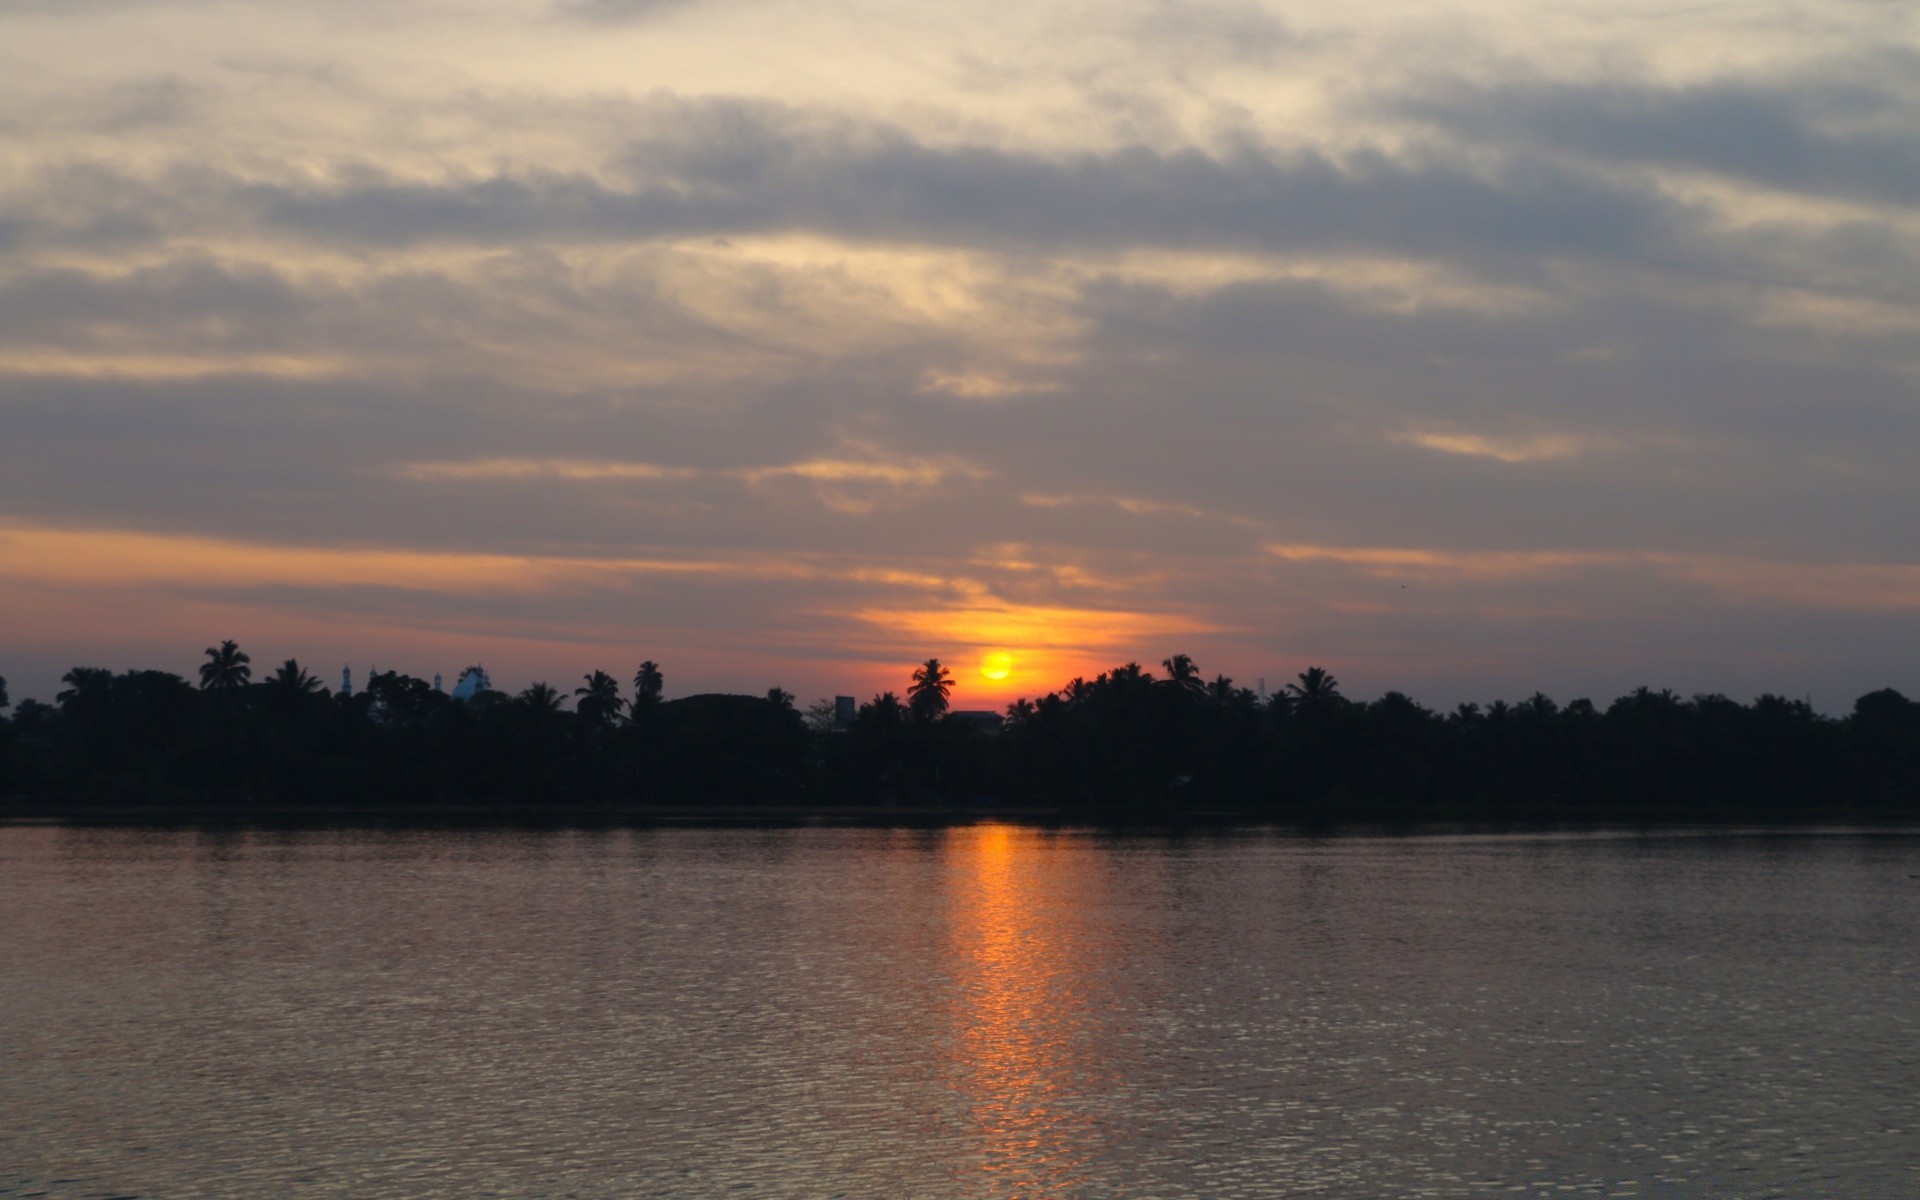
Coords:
pixel 821 715
pixel 1121 741
pixel 226 668
pixel 599 699
pixel 1884 733
pixel 86 686
pixel 647 682
pixel 291 678
pixel 932 684
pixel 1315 688
pixel 1222 691
pixel 1182 673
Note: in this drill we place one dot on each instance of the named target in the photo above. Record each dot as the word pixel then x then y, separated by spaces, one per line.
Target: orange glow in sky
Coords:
pixel 809 349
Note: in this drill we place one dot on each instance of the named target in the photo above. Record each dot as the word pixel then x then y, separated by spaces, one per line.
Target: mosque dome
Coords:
pixel 472 682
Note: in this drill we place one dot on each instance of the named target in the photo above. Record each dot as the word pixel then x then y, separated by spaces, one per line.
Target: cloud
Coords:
pixel 1511 449
pixel 536 468
pixel 775 176
pixel 897 473
pixel 1841 133
pixel 1233 31
pixel 827 351
pixel 618 10
pixel 736 167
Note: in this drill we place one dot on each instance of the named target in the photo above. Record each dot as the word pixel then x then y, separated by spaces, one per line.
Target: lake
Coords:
pixel 982 1011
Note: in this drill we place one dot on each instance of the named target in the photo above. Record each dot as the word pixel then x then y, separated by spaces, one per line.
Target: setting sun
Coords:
pixel 997 665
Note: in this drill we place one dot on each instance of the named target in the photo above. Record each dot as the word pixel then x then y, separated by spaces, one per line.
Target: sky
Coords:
pixel 1465 349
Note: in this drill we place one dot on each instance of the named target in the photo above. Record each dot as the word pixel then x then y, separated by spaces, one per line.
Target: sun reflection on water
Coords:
pixel 1015 910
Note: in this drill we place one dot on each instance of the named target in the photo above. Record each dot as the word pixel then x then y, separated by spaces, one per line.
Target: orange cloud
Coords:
pixel 902 472
pixel 117 558
pixel 1524 449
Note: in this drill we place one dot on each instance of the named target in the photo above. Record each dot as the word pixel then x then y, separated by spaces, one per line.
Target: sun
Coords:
pixel 996 665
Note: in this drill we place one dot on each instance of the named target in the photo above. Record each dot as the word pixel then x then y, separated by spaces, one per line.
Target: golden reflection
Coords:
pixel 1021 960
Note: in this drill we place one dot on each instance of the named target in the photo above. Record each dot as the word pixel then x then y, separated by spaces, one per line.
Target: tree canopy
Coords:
pixel 1123 742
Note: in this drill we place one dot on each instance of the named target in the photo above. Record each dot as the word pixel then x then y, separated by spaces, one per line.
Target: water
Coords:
pixel 980 1012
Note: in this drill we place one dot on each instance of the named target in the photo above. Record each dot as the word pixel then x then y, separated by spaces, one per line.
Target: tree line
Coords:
pixel 1128 741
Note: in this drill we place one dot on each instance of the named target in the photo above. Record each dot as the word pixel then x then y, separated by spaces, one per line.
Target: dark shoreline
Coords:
pixel 641 816
pixel 1124 750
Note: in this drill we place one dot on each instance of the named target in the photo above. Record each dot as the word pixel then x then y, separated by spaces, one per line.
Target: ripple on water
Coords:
pixel 980 1012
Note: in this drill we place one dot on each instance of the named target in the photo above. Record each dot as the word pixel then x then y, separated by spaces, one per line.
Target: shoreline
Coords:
pixel 641 816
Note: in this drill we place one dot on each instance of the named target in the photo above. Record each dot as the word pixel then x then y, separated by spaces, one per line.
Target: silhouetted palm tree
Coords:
pixel 289 689
pixel 647 683
pixel 600 699
pixel 1315 688
pixel 292 678
pixel 932 684
pixel 85 686
pixel 541 698
pixel 225 668
pixel 1183 674
pixel 882 712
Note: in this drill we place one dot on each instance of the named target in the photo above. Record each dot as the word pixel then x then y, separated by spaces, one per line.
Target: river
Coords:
pixel 983 1011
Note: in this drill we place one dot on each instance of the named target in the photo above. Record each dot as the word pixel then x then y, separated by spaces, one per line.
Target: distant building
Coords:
pixel 346 681
pixel 982 719
pixel 843 711
pixel 471 683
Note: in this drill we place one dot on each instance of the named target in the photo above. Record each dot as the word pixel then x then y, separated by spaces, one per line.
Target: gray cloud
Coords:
pixel 1840 134
pixel 618 10
pixel 733 170
pixel 256 343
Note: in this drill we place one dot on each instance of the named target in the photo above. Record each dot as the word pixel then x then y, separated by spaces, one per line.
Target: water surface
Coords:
pixel 976 1012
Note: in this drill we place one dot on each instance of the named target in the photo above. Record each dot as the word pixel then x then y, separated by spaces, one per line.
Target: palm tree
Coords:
pixel 1129 679
pixel 289 688
pixel 882 712
pixel 1316 688
pixel 600 699
pixel 225 668
pixel 541 698
pixel 646 684
pixel 1183 674
pixel 86 686
pixel 932 684
pixel 292 678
